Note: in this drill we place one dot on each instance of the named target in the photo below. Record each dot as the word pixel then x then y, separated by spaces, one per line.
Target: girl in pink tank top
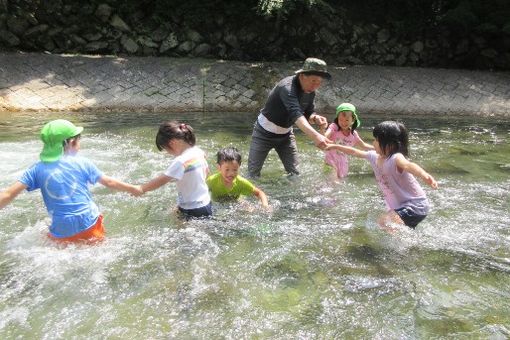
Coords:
pixel 405 200
pixel 343 131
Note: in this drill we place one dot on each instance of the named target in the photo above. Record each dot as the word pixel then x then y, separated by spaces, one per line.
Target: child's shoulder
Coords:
pixel 214 179
pixel 243 179
pixel 245 183
pixel 371 154
pixel 214 176
pixel 76 159
pixel 333 126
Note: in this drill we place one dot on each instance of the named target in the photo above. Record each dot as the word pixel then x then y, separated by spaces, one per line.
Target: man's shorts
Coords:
pixel 91 235
pixel 410 218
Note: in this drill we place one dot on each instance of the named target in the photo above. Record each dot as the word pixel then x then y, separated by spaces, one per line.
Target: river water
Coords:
pixel 317 266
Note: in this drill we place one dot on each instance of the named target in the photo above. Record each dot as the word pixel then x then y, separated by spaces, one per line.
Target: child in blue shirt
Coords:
pixel 63 178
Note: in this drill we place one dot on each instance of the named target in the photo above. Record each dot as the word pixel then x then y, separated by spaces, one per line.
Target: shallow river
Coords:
pixel 317 266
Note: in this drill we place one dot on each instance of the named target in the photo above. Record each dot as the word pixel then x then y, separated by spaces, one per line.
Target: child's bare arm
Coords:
pixel 365 146
pixel 261 196
pixel 156 182
pixel 328 133
pixel 113 183
pixel 10 193
pixel 413 168
pixel 347 150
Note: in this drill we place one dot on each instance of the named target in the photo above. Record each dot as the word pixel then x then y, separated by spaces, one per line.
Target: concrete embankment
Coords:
pixel 48 83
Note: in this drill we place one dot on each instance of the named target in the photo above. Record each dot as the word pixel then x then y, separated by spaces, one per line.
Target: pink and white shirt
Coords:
pixel 336 158
pixel 400 189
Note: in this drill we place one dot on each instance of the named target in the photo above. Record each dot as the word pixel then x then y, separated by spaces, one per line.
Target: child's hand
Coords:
pixel 431 181
pixel 329 146
pixel 322 122
pixel 136 190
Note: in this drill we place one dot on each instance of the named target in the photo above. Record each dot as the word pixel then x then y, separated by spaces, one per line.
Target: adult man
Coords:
pixel 290 102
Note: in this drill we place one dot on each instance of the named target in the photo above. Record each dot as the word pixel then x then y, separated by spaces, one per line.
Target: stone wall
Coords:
pixel 109 28
pixel 50 82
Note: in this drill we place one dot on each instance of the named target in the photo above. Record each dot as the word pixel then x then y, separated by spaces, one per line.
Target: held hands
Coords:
pixel 330 146
pixel 321 142
pixel 136 190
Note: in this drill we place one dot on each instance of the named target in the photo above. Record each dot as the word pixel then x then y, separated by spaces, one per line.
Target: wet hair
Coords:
pixel 392 138
pixel 228 154
pixel 174 130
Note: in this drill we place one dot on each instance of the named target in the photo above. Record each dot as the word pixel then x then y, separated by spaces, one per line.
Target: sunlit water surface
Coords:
pixel 317 266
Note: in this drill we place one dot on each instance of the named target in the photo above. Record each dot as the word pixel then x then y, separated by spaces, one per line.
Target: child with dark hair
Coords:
pixel 406 201
pixel 227 184
pixel 189 169
pixel 343 131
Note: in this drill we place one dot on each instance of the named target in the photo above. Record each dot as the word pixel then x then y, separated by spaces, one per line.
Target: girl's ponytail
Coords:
pixel 174 130
pixel 188 135
pixel 403 146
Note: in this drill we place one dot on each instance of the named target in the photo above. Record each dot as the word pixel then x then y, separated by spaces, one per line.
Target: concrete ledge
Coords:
pixel 44 82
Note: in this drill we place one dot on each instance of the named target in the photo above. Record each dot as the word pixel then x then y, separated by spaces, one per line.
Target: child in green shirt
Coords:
pixel 227 184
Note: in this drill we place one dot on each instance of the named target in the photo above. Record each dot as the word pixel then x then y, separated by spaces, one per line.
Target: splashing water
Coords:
pixel 317 266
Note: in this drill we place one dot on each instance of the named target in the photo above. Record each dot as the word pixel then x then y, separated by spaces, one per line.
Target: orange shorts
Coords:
pixel 91 235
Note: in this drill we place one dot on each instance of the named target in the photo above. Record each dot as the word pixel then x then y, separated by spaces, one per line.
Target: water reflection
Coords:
pixel 316 267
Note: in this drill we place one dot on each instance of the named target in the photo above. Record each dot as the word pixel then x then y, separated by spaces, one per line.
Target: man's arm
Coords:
pixel 319 140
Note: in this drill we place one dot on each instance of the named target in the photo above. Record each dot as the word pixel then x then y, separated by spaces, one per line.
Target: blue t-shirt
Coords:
pixel 64 187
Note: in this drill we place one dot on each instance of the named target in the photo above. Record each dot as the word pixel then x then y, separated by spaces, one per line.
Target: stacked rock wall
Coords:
pixel 237 31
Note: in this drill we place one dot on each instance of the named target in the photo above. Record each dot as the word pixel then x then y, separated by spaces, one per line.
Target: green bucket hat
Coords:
pixel 315 66
pixel 352 108
pixel 53 135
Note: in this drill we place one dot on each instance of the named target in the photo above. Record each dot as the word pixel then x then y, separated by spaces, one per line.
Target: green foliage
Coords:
pixel 465 16
pixel 191 13
pixel 506 28
pixel 461 17
pixel 284 8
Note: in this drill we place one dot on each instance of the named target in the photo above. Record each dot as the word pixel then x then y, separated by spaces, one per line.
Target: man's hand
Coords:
pixel 321 142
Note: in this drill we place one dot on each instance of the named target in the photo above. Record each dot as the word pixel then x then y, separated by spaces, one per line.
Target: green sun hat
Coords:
pixel 352 108
pixel 53 135
pixel 315 66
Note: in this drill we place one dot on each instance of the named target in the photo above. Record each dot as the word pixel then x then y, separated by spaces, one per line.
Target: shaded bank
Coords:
pixel 471 34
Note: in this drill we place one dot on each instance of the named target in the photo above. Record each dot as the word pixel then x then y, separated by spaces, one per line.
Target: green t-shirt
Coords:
pixel 219 192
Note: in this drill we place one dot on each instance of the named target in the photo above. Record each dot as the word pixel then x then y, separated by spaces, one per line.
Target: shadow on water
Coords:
pixel 316 266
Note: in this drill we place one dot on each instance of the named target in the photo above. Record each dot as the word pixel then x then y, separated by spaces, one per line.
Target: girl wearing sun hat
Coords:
pixel 343 131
